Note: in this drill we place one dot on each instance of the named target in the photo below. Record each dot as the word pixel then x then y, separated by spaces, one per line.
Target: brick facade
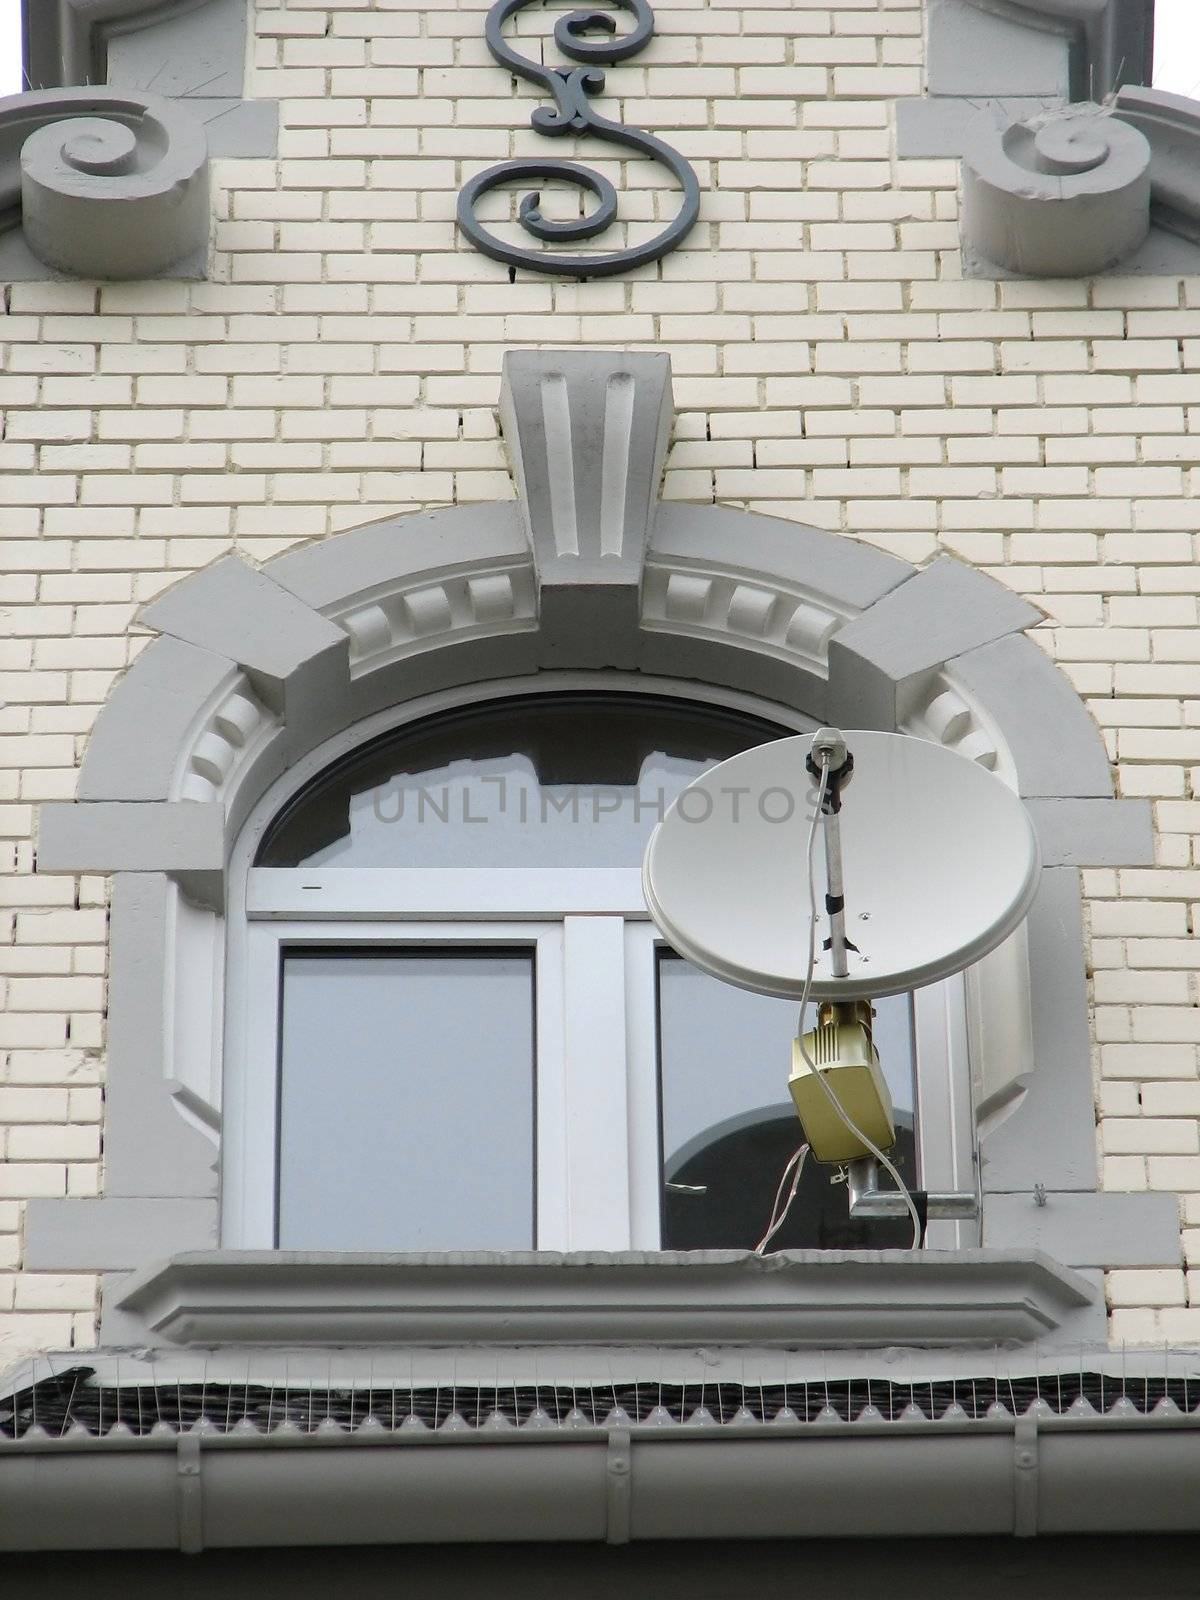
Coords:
pixel 831 365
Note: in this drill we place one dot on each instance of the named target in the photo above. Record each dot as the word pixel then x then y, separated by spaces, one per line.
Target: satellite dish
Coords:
pixel 939 864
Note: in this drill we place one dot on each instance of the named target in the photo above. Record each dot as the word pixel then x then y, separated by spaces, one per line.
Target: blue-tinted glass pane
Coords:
pixel 407 1101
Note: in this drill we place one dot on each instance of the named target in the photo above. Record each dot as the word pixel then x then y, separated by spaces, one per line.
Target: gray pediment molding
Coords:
pixel 256 668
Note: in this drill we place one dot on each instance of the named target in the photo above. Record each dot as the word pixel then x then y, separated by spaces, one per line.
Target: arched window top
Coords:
pixel 548 780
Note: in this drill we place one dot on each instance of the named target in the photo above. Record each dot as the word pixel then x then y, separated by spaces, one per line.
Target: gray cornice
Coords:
pixel 810 1298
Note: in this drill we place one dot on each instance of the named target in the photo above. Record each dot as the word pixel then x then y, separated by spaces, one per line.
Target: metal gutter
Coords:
pixel 200 1489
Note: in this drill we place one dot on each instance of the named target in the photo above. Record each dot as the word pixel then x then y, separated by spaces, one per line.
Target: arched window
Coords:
pixel 231 785
pixel 454 1026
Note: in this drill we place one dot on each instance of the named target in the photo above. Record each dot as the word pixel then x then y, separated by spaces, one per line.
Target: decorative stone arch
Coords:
pixel 587 569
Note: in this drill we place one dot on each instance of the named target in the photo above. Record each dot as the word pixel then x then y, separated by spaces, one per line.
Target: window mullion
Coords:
pixel 597 1118
pixel 945 1116
pixel 641 1000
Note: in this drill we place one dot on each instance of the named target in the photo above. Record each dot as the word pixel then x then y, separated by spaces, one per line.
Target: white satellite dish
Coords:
pixel 939 862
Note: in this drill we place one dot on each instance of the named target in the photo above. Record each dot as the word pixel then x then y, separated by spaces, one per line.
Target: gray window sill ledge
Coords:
pixel 795 1299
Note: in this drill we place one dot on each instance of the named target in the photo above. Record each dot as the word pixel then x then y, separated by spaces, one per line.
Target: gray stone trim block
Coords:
pixel 287 650
pixel 1094 833
pixel 107 183
pixel 111 1235
pixel 848 573
pixel 587 432
pixel 794 1298
pixel 946 609
pixel 1059 751
pixel 183 838
pixel 1050 1138
pixel 142 734
pixel 1087 1230
pixel 149 1148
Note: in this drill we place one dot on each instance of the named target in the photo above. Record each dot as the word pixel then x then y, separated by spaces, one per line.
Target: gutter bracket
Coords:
pixel 1025 1477
pixel 190 1494
pixel 619 1486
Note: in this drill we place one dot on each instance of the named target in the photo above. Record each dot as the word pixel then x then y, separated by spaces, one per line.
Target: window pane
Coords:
pixel 407 1101
pixel 728 1124
pixel 548 781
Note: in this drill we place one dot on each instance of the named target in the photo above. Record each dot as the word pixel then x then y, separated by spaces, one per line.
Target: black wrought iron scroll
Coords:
pixel 572 112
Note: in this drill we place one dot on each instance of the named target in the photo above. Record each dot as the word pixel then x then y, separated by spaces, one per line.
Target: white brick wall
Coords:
pixel 830 366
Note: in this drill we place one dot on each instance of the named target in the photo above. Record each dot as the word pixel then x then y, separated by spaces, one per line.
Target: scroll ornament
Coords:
pixel 1064 194
pixel 105 183
pixel 572 89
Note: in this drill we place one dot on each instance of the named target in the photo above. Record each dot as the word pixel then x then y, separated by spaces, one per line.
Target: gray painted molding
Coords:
pixel 106 184
pixel 587 433
pixel 1050 1139
pixel 147 725
pixel 1094 833
pixel 811 1298
pixel 256 669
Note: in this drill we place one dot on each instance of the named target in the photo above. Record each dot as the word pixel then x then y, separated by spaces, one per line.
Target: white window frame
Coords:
pixel 596 1030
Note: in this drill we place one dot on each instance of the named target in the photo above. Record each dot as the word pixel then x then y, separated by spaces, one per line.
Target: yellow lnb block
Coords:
pixel 843 1051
